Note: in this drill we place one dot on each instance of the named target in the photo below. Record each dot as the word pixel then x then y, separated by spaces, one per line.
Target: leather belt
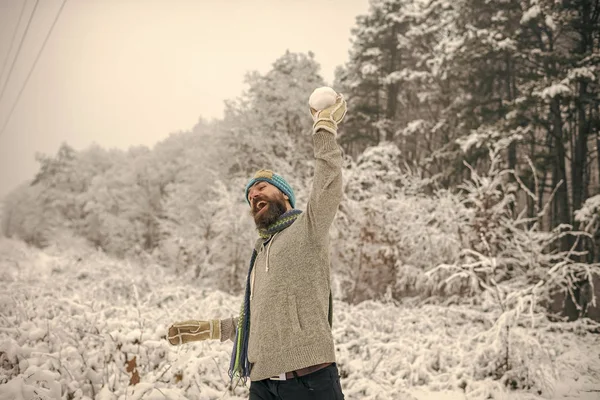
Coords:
pixel 300 372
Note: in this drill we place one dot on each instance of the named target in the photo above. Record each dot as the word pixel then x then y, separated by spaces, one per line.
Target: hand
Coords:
pixel 330 117
pixel 193 331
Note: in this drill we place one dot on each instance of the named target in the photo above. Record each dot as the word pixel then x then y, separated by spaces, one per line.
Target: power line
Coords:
pixel 32 67
pixel 12 40
pixel 12 66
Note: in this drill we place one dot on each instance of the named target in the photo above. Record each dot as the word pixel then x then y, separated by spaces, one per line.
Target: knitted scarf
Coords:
pixel 239 365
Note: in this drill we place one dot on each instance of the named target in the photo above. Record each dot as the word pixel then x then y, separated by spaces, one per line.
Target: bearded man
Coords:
pixel 282 337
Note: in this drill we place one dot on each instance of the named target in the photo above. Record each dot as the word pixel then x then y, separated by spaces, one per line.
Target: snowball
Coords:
pixel 322 98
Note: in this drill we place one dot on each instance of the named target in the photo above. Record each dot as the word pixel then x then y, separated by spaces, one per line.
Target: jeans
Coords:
pixel 323 384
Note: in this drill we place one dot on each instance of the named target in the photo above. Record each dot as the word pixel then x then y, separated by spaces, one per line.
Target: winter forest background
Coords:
pixel 471 211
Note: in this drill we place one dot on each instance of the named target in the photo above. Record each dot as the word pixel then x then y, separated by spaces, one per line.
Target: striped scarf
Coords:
pixel 240 366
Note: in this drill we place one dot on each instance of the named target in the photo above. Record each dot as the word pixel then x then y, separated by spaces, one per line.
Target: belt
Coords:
pixel 299 372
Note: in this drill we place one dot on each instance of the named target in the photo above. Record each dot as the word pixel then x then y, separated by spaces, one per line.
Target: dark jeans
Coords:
pixel 323 384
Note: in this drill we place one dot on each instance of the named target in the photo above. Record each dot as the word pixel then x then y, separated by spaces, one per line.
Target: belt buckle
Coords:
pixel 280 377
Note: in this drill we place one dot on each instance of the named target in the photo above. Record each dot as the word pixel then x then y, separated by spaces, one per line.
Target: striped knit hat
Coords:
pixel 266 175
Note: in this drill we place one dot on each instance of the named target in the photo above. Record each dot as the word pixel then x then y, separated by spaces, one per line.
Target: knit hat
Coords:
pixel 266 175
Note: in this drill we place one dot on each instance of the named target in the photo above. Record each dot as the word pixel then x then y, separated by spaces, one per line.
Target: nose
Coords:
pixel 252 194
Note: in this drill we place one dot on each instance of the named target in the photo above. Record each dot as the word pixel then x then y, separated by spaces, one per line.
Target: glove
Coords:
pixel 329 118
pixel 193 331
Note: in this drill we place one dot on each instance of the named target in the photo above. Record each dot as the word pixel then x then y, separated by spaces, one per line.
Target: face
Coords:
pixel 267 203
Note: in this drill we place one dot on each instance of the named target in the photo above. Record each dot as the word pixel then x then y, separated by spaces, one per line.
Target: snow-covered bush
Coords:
pixel 514 267
pixel 84 326
pixel 88 327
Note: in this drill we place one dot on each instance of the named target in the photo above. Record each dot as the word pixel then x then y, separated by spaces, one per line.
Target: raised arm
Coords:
pixel 326 192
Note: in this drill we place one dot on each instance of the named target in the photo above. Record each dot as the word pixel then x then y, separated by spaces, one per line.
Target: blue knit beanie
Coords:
pixel 266 175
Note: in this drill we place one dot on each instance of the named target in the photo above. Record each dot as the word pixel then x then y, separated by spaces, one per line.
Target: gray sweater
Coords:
pixel 289 302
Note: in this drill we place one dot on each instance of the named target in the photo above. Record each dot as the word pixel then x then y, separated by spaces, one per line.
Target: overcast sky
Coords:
pixel 128 72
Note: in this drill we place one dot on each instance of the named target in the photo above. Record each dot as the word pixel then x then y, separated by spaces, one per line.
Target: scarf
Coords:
pixel 240 366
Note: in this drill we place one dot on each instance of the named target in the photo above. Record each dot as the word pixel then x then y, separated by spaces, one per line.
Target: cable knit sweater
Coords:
pixel 289 303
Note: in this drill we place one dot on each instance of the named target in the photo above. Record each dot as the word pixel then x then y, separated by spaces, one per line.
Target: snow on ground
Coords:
pixel 79 325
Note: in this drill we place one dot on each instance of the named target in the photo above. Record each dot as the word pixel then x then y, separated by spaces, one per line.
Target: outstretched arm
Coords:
pixel 195 330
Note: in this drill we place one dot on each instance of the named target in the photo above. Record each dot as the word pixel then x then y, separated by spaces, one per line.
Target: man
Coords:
pixel 282 339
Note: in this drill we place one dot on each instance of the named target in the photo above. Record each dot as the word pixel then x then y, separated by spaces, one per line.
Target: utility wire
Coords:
pixel 32 67
pixel 12 40
pixel 12 66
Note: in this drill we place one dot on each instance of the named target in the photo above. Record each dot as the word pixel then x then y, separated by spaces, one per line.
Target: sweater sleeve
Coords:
pixel 228 328
pixel 326 192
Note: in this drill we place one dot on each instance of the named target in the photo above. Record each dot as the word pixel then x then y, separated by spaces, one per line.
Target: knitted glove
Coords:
pixel 329 118
pixel 193 331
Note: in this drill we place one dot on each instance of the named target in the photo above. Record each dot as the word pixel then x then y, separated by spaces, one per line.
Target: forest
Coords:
pixel 471 164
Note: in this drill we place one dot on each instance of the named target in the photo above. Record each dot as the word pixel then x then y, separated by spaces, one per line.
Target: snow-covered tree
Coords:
pixel 392 226
pixel 269 125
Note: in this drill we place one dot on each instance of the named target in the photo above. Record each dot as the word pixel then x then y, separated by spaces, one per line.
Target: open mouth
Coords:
pixel 260 206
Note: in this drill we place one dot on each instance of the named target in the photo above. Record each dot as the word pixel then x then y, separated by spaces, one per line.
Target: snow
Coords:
pixel 557 89
pixel 369 69
pixel 405 75
pixel 372 52
pixel 37 334
pixel 506 44
pixel 581 73
pixel 589 210
pixel 451 44
pixel 73 332
pixel 531 14
pixel 550 23
pixel 474 139
pixel 414 126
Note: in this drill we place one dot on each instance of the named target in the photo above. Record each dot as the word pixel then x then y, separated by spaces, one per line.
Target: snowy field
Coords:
pixel 77 325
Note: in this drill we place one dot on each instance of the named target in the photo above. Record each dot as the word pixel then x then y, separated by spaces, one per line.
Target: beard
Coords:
pixel 270 212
